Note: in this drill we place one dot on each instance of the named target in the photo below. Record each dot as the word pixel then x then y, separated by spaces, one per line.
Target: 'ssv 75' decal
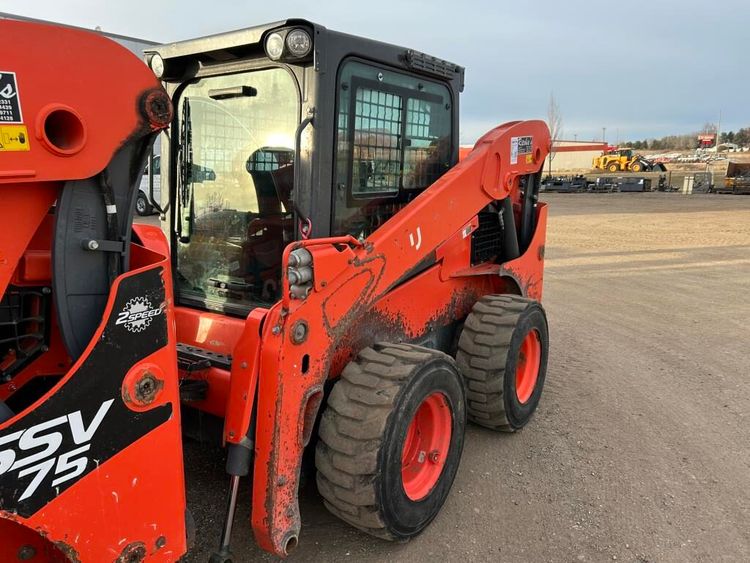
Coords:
pixel 44 441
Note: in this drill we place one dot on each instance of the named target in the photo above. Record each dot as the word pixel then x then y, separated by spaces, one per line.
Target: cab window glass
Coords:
pixel 393 140
pixel 234 184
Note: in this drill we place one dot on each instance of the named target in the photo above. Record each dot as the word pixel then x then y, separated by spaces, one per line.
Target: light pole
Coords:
pixel 718 133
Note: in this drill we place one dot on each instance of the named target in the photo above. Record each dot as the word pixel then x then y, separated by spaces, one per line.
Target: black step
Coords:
pixel 192 359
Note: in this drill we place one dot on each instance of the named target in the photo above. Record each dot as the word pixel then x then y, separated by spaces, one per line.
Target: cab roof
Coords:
pixel 248 42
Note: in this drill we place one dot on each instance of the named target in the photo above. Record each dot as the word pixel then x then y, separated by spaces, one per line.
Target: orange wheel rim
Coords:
pixel 527 369
pixel 428 440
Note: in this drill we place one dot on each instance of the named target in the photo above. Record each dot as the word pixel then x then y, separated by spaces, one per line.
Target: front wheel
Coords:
pixel 391 439
pixel 142 205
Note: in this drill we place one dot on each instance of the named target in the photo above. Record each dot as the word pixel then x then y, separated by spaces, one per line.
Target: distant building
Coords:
pixel 574 155
pixel 707 140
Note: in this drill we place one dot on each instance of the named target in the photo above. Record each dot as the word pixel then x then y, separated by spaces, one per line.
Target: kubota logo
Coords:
pixel 137 314
pixel 7 92
pixel 44 440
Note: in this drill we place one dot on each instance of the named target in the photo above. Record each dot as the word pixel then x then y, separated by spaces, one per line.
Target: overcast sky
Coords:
pixel 638 68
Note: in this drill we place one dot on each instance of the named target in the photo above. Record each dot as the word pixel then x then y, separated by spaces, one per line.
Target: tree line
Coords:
pixel 740 137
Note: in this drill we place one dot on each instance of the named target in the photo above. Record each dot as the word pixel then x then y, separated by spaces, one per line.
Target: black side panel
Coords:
pixel 510 235
pixel 530 184
pixel 81 278
pixel 86 422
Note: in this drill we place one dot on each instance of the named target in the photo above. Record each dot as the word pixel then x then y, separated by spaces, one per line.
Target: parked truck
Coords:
pixel 737 180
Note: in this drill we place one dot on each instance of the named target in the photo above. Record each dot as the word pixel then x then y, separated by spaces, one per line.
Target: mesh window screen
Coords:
pixel 377 142
pixel 425 155
pixel 218 132
pixel 268 160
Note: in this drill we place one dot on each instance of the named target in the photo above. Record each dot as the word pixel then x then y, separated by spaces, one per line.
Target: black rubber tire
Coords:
pixel 362 433
pixel 487 357
pixel 636 167
pixel 613 167
pixel 142 205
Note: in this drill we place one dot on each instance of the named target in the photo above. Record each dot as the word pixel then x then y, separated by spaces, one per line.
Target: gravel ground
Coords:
pixel 640 449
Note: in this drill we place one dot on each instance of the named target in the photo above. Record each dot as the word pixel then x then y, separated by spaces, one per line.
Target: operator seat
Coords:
pixel 270 169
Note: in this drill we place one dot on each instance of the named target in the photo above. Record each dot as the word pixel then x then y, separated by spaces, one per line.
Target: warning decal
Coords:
pixel 519 146
pixel 13 138
pixel 10 102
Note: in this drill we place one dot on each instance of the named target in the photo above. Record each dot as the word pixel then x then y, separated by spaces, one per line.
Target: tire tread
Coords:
pixel 482 355
pixel 352 427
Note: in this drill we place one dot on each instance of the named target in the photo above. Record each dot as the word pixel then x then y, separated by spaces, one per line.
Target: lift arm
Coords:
pixel 302 335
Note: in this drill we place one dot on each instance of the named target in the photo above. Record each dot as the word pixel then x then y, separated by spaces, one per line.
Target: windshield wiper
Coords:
pixel 185 197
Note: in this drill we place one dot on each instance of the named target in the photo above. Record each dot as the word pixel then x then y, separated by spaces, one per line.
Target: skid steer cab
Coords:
pixel 338 282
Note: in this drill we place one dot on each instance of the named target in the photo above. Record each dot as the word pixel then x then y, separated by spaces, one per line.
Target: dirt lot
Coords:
pixel 640 450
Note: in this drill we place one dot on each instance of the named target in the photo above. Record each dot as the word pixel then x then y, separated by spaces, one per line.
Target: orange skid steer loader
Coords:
pixel 329 276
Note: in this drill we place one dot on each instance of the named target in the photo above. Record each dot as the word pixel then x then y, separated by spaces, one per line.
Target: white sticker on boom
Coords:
pixel 111 209
pixel 416 244
pixel 520 145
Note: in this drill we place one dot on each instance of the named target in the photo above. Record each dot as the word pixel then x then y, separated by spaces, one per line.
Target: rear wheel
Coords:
pixel 142 205
pixel 613 167
pixel 502 354
pixel 391 439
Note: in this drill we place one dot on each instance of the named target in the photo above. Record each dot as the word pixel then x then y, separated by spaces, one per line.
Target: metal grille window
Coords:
pixel 425 153
pixel 376 146
pixel 394 139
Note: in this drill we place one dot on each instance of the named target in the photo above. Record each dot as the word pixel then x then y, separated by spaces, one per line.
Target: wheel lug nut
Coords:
pixel 421 457
pixel 434 456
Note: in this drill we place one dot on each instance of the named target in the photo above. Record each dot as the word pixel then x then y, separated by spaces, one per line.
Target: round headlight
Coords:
pixel 274 46
pixel 298 42
pixel 157 65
